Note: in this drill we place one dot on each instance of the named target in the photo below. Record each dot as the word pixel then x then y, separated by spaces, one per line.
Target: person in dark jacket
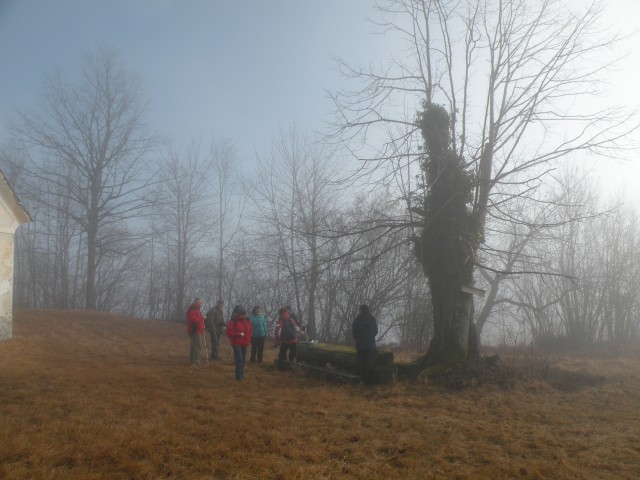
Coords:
pixel 214 323
pixel 364 330
pixel 195 328
pixel 239 333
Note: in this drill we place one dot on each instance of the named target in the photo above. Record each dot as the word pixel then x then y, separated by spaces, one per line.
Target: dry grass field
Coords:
pixel 86 395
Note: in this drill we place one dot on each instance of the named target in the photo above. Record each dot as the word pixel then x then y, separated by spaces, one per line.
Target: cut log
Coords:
pixel 338 362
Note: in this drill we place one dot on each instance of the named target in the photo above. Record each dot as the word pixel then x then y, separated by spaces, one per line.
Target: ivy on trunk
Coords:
pixel 449 237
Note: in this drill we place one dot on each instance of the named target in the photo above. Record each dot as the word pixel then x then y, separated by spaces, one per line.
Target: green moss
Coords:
pixel 433 370
pixel 333 347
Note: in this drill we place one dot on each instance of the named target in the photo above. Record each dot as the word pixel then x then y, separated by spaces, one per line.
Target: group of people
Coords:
pixel 244 330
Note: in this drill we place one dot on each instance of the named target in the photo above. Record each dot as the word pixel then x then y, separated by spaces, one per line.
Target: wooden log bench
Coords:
pixel 339 362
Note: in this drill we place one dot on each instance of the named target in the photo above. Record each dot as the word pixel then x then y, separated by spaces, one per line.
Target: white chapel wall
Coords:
pixel 6 285
pixel 11 216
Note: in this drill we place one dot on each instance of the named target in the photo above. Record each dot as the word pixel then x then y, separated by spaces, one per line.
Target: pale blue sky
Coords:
pixel 231 68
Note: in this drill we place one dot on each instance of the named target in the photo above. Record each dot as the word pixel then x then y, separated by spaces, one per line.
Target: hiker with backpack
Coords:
pixel 286 336
pixel 239 333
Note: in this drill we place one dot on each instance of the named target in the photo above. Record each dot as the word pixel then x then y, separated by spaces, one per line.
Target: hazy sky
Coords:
pixel 231 68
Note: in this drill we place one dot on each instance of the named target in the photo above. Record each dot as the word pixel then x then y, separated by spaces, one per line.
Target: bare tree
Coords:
pixel 619 234
pixel 182 204
pixel 229 207
pixel 89 146
pixel 588 293
pixel 48 266
pixel 517 242
pixel 514 77
pixel 293 196
pixel 374 267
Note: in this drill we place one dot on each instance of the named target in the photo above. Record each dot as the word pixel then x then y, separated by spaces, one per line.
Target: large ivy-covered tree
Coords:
pixel 449 236
pixel 517 82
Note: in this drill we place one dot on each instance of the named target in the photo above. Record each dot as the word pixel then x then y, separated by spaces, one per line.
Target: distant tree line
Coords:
pixel 130 223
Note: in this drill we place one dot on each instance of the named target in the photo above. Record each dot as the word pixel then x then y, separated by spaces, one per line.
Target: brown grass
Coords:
pixel 86 395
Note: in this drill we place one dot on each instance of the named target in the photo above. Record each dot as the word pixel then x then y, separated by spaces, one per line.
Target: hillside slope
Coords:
pixel 87 395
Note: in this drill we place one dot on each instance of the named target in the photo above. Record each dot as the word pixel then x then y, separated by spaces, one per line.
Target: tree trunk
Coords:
pixel 455 339
pixel 90 290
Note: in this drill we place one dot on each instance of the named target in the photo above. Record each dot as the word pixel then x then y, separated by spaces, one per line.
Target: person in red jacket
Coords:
pixel 195 328
pixel 286 335
pixel 239 333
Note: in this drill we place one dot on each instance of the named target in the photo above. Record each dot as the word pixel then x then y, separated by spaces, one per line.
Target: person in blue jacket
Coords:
pixel 364 330
pixel 258 335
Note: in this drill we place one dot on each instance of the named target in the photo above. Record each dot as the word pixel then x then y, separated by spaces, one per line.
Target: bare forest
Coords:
pixel 469 184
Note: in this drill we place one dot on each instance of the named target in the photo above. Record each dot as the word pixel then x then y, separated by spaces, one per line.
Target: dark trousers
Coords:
pixel 365 359
pixel 194 349
pixel 240 356
pixel 257 349
pixel 292 348
pixel 215 340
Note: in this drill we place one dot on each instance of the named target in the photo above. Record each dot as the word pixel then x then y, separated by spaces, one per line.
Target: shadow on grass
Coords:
pixel 492 371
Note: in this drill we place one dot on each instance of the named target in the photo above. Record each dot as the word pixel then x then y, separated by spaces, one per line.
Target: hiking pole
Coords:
pixel 204 337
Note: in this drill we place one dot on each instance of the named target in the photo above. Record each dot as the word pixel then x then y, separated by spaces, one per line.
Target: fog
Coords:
pixel 224 185
pixel 229 69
